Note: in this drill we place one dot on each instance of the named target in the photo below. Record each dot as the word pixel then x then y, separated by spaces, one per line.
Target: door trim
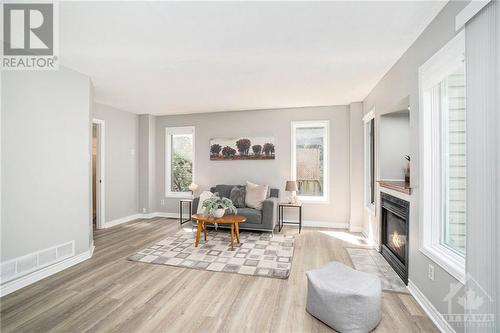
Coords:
pixel 100 172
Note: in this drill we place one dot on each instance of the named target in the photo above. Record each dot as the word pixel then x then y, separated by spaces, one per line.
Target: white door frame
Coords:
pixel 100 172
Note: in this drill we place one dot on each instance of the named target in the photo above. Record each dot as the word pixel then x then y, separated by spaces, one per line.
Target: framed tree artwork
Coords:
pixel 243 148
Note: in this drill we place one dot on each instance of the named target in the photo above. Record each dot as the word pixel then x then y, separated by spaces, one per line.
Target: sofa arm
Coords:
pixel 269 213
pixel 194 205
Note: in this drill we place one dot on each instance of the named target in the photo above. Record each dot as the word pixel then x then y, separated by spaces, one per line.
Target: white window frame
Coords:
pixel 437 68
pixel 370 207
pixel 325 198
pixel 169 131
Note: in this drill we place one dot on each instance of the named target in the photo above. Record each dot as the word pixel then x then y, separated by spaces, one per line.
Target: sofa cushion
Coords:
pixel 203 196
pixel 223 190
pixel 255 194
pixel 237 196
pixel 253 215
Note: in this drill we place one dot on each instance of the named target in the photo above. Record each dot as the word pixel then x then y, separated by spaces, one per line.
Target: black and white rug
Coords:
pixel 371 261
pixel 259 254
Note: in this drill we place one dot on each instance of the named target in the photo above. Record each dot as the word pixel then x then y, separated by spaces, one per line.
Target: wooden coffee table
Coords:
pixel 233 220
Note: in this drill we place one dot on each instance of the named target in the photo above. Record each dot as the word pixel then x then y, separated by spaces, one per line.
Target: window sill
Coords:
pixel 451 262
pixel 178 195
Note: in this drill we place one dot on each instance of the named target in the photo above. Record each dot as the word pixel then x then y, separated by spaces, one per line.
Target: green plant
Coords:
pixel 216 202
pixel 182 173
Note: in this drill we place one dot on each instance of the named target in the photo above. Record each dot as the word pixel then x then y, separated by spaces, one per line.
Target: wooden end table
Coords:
pixel 233 220
pixel 281 207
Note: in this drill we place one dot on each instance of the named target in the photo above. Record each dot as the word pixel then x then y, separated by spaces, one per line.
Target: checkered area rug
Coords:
pixel 259 254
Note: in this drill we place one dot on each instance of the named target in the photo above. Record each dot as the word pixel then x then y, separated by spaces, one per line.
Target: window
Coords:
pixel 443 157
pixel 310 159
pixel 179 175
pixel 369 179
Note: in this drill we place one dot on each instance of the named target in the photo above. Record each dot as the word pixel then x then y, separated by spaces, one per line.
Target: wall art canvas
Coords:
pixel 243 148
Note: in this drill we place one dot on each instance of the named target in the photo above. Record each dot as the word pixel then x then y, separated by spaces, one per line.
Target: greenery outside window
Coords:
pixel 179 144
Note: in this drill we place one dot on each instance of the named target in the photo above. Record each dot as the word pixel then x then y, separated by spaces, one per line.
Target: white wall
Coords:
pixel 394 134
pixel 121 161
pixel 276 123
pixel 45 161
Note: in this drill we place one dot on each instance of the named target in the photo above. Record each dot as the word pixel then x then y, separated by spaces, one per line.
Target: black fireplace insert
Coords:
pixel 395 233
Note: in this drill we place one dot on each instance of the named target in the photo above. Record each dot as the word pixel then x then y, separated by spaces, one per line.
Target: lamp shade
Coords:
pixel 193 187
pixel 291 185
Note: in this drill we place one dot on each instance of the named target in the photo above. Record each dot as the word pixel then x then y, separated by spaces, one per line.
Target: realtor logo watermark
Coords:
pixel 30 36
pixel 469 305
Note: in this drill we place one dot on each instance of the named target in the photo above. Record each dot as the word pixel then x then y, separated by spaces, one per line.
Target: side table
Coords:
pixel 181 203
pixel 281 221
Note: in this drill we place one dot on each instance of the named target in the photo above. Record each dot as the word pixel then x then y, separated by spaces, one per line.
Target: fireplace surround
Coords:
pixel 395 233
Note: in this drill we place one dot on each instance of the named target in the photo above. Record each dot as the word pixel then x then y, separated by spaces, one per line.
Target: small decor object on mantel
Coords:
pixel 291 186
pixel 244 148
pixel 407 170
pixel 217 206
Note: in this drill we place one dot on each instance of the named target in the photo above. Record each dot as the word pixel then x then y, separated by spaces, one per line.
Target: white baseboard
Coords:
pixel 370 241
pixel 125 219
pixel 35 276
pixel 133 217
pixel 146 216
pixel 318 224
pixel 167 215
pixel 324 224
pixel 430 310
pixel 356 228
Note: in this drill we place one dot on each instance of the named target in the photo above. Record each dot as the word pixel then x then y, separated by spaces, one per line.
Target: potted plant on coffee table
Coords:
pixel 216 206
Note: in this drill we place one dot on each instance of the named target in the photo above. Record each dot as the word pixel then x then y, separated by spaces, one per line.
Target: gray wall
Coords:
pixel 147 163
pixel 121 161
pixel 394 134
pixel 45 161
pixel 272 172
pixel 399 82
pixel 356 165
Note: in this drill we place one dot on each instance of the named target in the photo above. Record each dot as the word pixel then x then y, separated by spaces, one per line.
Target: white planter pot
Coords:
pixel 218 213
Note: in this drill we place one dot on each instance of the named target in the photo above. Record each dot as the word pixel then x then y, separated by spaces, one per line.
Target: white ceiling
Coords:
pixel 181 57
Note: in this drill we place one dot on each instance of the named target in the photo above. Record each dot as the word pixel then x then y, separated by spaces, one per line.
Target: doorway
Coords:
pixel 98 216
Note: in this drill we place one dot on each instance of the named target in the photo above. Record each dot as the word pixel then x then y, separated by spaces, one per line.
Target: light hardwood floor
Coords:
pixel 110 294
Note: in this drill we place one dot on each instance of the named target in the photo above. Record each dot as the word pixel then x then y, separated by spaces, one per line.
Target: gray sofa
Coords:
pixel 264 220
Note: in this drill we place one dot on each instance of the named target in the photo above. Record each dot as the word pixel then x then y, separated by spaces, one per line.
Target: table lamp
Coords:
pixel 291 186
pixel 193 187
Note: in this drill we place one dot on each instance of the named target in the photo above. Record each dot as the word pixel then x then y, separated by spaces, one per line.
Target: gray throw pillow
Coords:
pixel 237 196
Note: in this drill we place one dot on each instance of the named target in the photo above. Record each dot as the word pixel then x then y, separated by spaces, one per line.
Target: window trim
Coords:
pixel 431 223
pixel 169 131
pixel 325 198
pixel 370 207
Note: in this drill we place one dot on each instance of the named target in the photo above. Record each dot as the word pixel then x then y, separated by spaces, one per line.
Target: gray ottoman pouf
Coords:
pixel 343 298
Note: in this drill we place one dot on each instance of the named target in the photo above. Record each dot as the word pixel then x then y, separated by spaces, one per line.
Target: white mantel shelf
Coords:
pixel 397 194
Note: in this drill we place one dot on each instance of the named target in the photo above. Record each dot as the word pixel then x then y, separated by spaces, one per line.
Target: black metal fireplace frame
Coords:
pixel 400 208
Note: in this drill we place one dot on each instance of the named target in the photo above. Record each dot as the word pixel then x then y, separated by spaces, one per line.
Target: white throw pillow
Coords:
pixel 203 196
pixel 255 194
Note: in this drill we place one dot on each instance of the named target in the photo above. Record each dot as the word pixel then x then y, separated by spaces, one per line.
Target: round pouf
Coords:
pixel 343 298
